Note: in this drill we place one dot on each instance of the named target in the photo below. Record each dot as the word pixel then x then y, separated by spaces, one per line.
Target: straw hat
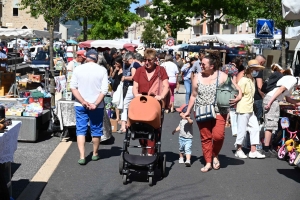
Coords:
pixel 255 64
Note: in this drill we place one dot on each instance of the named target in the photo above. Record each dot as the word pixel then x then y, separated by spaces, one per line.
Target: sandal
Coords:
pixel 216 165
pixel 205 169
pixel 81 161
pixel 95 158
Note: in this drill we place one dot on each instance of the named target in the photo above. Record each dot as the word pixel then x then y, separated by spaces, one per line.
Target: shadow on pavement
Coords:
pixel 124 193
pixel 18 187
pixel 14 168
pixel 291 174
pixel 174 157
pixel 225 161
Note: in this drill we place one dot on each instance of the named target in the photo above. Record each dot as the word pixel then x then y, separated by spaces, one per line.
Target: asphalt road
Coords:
pixel 237 179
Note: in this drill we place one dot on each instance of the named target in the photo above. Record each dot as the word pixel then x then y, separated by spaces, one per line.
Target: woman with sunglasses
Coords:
pixel 143 80
pixel 212 132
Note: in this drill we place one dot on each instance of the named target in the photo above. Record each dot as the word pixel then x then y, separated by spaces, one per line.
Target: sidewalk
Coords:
pixel 180 98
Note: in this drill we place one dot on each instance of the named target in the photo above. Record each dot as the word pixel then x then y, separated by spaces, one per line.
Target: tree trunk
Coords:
pixel 211 26
pixel 85 29
pixel 283 49
pixel 52 83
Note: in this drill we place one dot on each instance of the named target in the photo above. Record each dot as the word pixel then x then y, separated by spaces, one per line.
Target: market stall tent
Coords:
pixel 118 44
pixel 231 40
pixel 10 33
pixel 290 9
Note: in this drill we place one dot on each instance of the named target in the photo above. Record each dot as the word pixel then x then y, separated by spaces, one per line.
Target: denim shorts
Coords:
pixel 185 145
pixel 84 117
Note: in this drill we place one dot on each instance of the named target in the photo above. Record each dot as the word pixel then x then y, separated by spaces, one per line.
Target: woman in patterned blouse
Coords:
pixel 204 93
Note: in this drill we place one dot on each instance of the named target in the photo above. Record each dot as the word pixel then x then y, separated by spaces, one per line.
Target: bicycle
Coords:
pixel 291 147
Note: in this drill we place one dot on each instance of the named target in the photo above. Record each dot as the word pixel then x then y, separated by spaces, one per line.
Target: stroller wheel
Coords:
pixel 163 166
pixel 121 163
pixel 124 179
pixel 150 180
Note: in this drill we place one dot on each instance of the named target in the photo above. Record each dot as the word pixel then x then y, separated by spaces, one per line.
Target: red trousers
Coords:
pixel 212 136
pixel 149 143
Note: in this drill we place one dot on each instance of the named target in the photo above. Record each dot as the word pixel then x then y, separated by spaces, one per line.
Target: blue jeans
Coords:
pixel 185 145
pixel 188 87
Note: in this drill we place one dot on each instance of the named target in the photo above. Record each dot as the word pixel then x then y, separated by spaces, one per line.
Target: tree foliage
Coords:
pixel 207 8
pixel 266 9
pixel 152 34
pixel 169 17
pixel 112 20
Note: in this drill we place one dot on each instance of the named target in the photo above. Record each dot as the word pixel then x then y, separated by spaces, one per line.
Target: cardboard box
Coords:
pixel 114 125
pixel 44 102
pixel 35 78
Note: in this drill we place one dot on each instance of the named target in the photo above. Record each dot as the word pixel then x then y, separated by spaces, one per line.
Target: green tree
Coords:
pixel 152 34
pixel 51 11
pixel 112 20
pixel 169 17
pixel 207 8
pixel 267 9
pixel 85 10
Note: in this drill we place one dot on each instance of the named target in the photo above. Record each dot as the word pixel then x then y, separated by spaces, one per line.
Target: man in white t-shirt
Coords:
pixel 283 90
pixel 80 57
pixel 89 85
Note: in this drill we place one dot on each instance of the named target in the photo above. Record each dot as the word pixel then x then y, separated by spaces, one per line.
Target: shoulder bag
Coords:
pixel 226 92
pixel 157 89
pixel 207 112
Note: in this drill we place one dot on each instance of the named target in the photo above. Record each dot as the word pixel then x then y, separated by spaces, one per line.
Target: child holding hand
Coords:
pixel 185 136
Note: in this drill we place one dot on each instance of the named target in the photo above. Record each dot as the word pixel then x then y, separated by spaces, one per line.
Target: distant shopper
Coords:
pixel 80 57
pixel 3 57
pixel 89 85
pixel 172 71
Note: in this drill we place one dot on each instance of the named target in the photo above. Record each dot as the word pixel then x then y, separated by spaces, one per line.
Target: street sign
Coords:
pixel 264 28
pixel 170 42
pixel 263 43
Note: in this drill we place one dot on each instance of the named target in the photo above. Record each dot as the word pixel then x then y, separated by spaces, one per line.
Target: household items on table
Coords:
pixel 32 103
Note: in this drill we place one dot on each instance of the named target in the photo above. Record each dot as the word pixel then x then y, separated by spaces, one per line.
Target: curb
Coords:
pixel 41 178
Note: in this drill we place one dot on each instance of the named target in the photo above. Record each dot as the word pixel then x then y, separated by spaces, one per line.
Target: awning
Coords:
pixel 290 9
pixel 230 40
pixel 118 44
pixel 10 33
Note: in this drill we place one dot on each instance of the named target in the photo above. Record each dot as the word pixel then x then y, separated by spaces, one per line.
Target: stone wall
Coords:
pixel 22 20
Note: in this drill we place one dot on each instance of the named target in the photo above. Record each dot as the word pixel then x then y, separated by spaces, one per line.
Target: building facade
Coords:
pixel 13 17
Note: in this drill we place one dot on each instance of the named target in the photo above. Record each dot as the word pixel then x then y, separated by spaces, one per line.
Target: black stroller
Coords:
pixel 145 118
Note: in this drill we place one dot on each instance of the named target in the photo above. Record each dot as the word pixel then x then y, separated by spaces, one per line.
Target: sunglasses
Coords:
pixel 149 60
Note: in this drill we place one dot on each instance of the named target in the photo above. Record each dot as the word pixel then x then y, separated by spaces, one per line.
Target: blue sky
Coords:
pixel 133 6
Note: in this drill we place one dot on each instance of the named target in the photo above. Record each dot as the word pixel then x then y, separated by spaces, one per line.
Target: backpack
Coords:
pixel 270 83
pixel 226 92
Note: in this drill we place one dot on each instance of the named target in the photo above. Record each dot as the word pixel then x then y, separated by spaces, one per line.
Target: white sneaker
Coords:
pixel 240 154
pixel 187 163
pixel 181 161
pixel 256 154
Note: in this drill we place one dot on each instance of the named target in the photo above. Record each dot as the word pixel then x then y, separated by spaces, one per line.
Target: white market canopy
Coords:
pixel 10 33
pixel 118 44
pixel 290 9
pixel 229 39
